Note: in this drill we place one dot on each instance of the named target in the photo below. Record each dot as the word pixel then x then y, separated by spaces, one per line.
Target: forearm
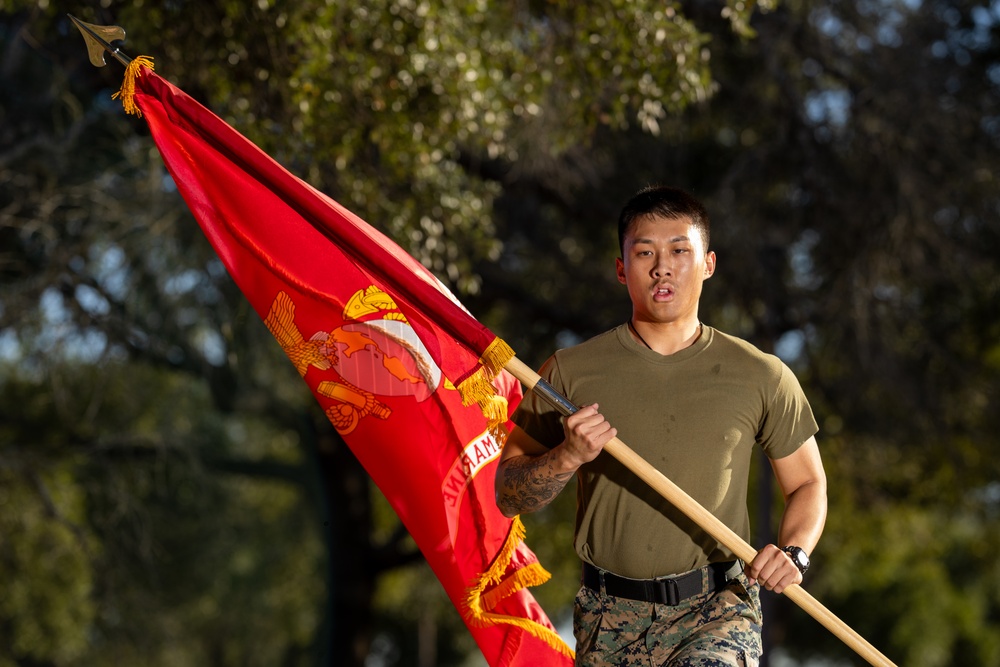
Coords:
pixel 804 516
pixel 529 483
pixel 529 476
pixel 803 485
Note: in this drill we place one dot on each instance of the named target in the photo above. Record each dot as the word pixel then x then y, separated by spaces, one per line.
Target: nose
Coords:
pixel 661 269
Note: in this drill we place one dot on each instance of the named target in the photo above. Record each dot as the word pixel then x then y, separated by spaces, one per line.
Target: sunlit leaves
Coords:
pixel 45 553
pixel 387 105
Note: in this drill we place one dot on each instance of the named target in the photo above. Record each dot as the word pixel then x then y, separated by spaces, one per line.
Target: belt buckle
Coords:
pixel 669 594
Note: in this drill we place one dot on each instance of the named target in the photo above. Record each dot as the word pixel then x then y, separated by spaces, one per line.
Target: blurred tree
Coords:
pixel 848 154
pixel 123 335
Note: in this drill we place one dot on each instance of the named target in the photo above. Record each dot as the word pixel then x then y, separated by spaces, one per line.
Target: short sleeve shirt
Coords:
pixel 695 415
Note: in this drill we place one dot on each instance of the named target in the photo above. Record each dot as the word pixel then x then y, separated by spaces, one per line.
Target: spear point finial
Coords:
pixel 99 39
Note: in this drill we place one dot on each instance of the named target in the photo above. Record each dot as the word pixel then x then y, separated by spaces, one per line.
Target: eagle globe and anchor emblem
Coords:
pixel 381 356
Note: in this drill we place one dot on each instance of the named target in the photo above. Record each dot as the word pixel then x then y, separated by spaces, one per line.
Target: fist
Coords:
pixel 774 569
pixel 586 431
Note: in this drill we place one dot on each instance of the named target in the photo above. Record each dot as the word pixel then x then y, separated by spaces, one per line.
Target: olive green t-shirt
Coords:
pixel 695 415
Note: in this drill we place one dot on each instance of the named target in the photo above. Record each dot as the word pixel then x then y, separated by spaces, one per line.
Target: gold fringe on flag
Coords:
pixel 478 388
pixel 478 602
pixel 127 91
pixel 496 356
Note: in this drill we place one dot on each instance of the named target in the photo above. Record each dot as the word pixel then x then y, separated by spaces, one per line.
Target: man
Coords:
pixel 693 402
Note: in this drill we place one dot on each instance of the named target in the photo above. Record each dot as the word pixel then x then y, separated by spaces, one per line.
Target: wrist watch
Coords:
pixel 798 556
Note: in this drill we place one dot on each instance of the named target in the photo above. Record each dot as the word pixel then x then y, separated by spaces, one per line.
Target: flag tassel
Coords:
pixel 479 601
pixel 478 388
pixel 127 92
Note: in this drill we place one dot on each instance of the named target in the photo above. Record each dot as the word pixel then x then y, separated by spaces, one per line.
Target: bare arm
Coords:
pixel 529 476
pixel 803 484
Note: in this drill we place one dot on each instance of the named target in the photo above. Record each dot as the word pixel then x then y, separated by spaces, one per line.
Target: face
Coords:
pixel 664 265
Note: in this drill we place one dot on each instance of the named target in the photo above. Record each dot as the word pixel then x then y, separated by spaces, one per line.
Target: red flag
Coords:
pixel 412 382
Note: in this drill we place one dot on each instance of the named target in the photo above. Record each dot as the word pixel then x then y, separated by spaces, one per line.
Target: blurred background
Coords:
pixel 170 492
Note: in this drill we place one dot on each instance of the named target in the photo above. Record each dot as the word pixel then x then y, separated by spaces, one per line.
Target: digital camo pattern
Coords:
pixel 719 629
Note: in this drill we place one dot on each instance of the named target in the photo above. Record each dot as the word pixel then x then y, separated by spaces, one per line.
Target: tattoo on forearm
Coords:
pixel 529 484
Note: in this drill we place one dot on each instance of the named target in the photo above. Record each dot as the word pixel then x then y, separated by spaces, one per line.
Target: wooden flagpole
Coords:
pixel 705 519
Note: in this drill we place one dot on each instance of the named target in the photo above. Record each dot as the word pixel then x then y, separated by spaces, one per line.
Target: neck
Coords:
pixel 665 338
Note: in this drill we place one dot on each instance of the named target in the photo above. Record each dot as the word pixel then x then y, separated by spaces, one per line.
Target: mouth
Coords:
pixel 663 292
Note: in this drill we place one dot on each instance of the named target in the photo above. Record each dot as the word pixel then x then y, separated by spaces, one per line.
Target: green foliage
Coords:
pixel 167 492
pixel 45 566
pixel 923 581
pixel 386 105
pixel 119 546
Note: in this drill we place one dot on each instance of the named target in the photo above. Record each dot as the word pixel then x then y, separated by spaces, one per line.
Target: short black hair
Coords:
pixel 665 202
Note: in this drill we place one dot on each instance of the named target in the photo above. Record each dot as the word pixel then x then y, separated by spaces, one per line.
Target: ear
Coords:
pixel 709 264
pixel 620 269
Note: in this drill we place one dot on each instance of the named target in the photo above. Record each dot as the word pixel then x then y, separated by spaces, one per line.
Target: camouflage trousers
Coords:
pixel 718 629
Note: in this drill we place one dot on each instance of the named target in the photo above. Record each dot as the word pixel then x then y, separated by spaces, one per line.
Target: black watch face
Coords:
pixel 799 557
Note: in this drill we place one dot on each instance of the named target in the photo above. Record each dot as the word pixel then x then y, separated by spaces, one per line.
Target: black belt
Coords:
pixel 665 590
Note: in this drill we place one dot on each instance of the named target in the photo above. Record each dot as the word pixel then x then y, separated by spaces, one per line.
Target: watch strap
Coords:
pixel 798 556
